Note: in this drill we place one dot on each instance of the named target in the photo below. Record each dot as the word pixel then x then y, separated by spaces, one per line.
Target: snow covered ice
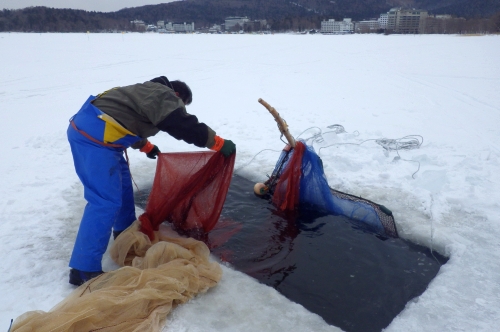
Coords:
pixel 442 87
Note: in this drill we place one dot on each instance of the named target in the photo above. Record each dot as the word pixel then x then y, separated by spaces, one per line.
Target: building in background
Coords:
pixel 445 24
pixel 139 25
pixel 406 20
pixel 235 22
pixel 255 25
pixel 183 27
pixel 443 17
pixel 382 21
pixel 215 29
pixel 367 26
pixel 169 27
pixel 337 27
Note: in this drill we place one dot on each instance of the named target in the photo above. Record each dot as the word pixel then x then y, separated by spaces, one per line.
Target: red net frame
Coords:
pixel 287 191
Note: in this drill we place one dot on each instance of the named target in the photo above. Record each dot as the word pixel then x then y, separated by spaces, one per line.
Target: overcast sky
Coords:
pixel 96 5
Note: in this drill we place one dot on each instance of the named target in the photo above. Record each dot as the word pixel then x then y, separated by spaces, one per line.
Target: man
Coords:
pixel 100 133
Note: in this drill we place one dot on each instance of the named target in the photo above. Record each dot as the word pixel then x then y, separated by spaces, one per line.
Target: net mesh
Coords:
pixel 299 180
pixel 189 191
pixel 160 269
pixel 158 276
pixel 286 191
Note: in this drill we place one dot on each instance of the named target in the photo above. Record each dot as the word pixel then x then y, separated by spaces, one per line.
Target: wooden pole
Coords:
pixel 283 127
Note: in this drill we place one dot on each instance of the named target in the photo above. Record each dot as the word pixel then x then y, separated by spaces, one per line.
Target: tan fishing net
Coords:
pixel 157 275
pixel 160 268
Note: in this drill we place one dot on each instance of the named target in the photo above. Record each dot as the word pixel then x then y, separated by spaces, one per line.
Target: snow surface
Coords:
pixel 442 87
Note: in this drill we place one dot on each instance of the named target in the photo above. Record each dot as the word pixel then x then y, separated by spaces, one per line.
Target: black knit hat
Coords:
pixel 184 91
pixel 180 87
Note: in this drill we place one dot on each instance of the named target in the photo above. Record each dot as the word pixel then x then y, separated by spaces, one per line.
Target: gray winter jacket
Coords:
pixel 146 108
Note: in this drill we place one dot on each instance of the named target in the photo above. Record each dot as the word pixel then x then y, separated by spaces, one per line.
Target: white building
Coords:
pixel 170 27
pixel 340 27
pixel 183 27
pixel 382 21
pixel 231 22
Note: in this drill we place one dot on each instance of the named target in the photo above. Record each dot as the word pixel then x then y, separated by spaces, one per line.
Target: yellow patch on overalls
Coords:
pixel 113 131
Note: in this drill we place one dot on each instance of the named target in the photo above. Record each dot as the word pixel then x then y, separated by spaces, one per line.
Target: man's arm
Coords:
pixel 184 126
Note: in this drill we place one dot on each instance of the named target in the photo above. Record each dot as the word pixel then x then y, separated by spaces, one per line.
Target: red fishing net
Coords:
pixel 287 194
pixel 188 191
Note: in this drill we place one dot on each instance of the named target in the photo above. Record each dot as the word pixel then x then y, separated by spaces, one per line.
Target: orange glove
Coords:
pixel 225 146
pixel 150 150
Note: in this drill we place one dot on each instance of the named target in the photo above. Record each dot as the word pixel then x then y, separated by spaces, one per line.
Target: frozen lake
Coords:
pixel 443 195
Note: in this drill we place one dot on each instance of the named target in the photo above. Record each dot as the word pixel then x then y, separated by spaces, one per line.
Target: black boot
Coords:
pixel 77 277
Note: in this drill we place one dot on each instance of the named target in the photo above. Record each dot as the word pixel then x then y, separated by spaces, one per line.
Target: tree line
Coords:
pixel 279 16
pixel 463 26
pixel 43 19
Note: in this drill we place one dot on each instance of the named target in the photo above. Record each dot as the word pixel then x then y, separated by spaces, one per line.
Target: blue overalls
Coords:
pixel 98 142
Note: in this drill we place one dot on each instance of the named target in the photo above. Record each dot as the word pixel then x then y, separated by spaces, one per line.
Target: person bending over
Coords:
pixel 99 134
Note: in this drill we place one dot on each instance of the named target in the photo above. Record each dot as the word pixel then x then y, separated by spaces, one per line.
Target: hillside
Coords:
pixel 210 11
pixel 280 14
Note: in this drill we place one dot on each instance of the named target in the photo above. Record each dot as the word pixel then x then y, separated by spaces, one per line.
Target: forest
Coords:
pixel 468 16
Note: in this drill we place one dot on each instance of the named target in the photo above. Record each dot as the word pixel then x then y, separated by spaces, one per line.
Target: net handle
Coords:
pixel 283 127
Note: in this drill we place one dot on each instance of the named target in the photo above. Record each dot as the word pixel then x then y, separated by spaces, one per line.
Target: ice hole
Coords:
pixel 352 278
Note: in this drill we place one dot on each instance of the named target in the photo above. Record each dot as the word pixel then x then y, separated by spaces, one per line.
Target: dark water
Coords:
pixel 352 278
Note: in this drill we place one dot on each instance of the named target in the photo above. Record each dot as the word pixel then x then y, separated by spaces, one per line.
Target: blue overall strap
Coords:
pixel 102 127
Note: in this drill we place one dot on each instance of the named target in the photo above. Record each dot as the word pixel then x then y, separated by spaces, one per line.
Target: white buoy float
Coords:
pixel 260 189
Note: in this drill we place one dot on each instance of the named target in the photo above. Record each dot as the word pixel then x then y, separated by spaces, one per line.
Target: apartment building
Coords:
pixel 337 27
pixel 406 20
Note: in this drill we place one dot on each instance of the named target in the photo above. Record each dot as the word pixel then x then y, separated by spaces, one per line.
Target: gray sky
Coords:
pixel 97 5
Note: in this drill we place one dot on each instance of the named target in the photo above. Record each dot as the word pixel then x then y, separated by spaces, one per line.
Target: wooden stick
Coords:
pixel 283 127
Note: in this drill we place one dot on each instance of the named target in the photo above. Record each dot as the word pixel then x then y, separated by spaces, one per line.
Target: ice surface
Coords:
pixel 442 87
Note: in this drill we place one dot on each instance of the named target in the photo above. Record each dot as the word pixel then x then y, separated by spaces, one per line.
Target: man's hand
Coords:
pixel 153 153
pixel 228 148
pixel 150 150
